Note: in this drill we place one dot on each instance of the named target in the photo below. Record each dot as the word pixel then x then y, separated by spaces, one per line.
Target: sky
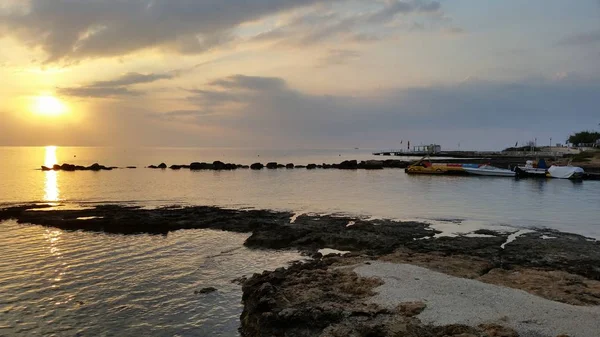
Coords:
pixel 465 74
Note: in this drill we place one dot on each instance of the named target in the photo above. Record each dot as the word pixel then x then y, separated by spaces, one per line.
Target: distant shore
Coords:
pixel 337 295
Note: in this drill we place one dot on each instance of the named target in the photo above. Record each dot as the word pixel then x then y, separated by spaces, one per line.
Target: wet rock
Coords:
pixel 348 165
pixel 218 165
pixel 311 166
pixel 272 165
pixel 280 166
pixel 371 165
pixel 394 163
pixel 200 166
pixel 175 167
pixel 152 167
pixel 289 166
pixel 300 166
pixel 162 166
pixel 245 166
pixel 205 290
pixel 257 166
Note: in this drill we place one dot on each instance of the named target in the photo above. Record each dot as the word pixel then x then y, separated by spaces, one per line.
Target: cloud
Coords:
pixel 257 107
pixel 79 29
pixel 582 39
pixel 117 87
pixel 316 26
pixel 338 57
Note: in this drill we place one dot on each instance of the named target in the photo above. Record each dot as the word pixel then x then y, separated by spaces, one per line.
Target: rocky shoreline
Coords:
pixel 326 297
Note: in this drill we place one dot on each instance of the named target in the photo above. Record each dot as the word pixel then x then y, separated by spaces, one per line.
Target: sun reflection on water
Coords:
pixel 51 190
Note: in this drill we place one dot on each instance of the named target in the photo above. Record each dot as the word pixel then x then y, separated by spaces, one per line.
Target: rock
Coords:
pixel 162 166
pixel 131 167
pixel 219 165
pixel 257 166
pixel 394 163
pixel 495 330
pixel 289 166
pixel 311 166
pixel 280 166
pixel 245 166
pixel 56 167
pixel 300 166
pixel 371 165
pixel 67 167
pixel 272 165
pixel 44 168
pixel 152 167
pixel 326 166
pixel 410 309
pixel 230 167
pixel 206 290
pixel 96 167
pixel 201 166
pixel 348 165
pixel 175 167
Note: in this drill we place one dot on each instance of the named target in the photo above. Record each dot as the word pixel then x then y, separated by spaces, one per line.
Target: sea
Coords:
pixel 61 283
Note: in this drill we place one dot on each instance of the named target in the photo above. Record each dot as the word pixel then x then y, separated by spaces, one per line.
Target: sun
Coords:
pixel 48 105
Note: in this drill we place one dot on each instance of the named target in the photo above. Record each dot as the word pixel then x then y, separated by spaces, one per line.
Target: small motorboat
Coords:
pixel 532 171
pixel 488 170
pixel 426 167
pixel 565 172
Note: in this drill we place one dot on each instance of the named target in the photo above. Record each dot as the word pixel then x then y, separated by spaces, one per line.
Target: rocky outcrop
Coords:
pixel 272 165
pixel 314 299
pixel 71 168
pixel 257 166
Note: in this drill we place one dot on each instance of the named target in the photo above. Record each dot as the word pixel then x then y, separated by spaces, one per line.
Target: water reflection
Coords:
pixel 51 191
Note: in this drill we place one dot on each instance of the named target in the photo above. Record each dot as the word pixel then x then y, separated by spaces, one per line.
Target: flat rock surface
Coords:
pixel 453 300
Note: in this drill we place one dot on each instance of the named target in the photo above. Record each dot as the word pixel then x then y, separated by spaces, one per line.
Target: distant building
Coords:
pixel 431 148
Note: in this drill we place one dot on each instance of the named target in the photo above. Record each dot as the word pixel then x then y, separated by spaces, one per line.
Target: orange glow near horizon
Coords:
pixel 51 192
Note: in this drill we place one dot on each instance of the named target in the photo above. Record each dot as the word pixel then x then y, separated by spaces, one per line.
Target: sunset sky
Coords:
pixel 297 73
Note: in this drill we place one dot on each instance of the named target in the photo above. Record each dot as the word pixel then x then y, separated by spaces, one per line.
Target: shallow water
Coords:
pixel 73 283
pixel 476 201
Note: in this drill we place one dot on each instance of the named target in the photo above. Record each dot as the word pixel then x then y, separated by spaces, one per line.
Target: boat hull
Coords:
pixel 490 173
pixel 530 172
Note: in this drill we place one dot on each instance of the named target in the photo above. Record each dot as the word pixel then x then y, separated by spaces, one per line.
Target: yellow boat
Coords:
pixel 426 167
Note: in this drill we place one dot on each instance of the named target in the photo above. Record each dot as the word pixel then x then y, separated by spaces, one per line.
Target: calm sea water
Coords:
pixel 66 283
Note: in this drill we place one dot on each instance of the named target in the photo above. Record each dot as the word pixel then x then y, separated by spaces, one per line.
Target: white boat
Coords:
pixel 487 170
pixel 565 172
pixel 532 171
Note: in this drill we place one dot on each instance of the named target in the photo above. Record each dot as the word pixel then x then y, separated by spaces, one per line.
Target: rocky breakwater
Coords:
pixel 345 165
pixel 198 166
pixel 71 167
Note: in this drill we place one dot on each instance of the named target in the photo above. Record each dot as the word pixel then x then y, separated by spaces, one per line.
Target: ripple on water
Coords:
pixel 69 283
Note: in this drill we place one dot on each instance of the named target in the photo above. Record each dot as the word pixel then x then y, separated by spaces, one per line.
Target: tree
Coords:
pixel 584 137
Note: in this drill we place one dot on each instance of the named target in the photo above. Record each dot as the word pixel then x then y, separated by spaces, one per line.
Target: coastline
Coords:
pixel 549 264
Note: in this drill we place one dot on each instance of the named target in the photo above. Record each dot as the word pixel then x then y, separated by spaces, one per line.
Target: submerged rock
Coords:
pixel 205 290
